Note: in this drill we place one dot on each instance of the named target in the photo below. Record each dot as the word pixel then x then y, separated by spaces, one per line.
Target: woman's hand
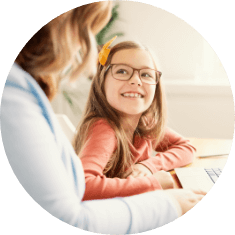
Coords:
pixel 140 170
pixel 186 199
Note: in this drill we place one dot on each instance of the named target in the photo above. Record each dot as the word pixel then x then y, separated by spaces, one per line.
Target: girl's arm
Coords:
pixel 99 147
pixel 173 151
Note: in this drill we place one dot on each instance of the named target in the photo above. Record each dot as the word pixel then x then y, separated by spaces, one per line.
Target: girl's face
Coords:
pixel 131 97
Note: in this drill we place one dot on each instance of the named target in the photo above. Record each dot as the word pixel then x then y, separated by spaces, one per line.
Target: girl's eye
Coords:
pixel 146 75
pixel 122 71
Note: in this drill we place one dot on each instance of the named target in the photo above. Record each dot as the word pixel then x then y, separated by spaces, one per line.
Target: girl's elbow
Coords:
pixel 191 156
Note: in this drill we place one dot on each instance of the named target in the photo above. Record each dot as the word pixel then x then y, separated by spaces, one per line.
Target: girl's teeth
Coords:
pixel 132 95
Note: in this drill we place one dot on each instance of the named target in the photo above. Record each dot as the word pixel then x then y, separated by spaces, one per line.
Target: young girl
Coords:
pixel 124 120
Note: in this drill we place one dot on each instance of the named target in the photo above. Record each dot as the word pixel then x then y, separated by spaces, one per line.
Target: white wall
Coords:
pixel 182 52
pixel 200 102
pixel 201 111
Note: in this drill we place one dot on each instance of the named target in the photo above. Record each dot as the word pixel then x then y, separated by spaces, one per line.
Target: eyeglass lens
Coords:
pixel 125 72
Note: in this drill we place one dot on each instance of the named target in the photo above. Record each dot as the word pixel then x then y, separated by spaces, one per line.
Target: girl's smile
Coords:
pixel 132 94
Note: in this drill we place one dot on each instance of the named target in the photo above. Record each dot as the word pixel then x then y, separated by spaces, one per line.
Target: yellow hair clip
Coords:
pixel 104 53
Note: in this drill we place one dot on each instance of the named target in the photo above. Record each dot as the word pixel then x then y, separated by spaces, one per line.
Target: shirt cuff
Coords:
pixel 155 184
pixel 149 165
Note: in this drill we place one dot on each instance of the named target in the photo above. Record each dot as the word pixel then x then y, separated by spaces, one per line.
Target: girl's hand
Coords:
pixel 165 179
pixel 140 170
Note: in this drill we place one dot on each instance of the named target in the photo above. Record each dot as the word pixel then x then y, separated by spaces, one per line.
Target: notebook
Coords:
pixel 203 178
pixel 198 178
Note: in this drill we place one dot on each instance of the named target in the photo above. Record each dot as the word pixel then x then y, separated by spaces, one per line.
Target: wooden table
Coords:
pixel 204 147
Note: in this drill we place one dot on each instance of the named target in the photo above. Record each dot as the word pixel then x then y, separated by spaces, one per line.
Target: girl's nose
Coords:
pixel 135 79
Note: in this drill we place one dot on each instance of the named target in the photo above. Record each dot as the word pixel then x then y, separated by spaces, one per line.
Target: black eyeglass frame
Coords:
pixel 159 74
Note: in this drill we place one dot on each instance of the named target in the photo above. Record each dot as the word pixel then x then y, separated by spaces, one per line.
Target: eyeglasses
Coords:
pixel 124 72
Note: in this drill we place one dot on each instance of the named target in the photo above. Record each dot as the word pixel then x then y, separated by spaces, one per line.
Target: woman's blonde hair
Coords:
pixel 55 45
pixel 151 124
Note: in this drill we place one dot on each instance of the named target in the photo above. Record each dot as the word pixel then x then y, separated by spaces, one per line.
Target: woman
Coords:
pixel 38 151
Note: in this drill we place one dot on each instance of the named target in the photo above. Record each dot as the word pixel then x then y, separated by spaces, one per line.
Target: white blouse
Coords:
pixel 46 165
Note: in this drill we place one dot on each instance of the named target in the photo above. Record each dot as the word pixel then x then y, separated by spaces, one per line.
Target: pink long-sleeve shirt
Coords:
pixel 173 151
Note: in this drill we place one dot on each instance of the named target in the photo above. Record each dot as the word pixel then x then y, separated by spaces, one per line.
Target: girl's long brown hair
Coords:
pixel 55 45
pixel 151 124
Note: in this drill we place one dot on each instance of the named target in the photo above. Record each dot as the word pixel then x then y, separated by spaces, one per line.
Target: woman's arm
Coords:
pixel 173 151
pixel 97 150
pixel 56 182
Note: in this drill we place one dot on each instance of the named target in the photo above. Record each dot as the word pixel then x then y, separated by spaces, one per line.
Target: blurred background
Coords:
pixel 199 96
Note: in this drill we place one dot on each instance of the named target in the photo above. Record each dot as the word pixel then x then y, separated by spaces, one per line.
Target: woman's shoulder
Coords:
pixel 22 80
pixel 18 76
